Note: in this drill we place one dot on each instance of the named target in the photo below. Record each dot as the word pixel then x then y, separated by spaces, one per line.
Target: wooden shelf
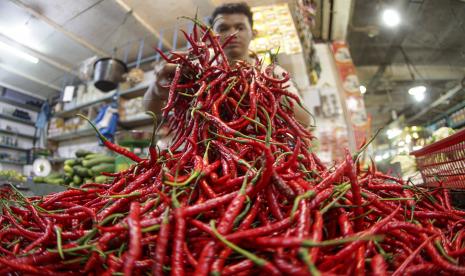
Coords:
pixel 58 159
pixel 72 135
pixel 136 122
pixel 15 119
pixel 459 125
pixel 13 162
pixel 133 92
pixel 13 147
pixel 21 105
pixel 5 131
pixel 70 112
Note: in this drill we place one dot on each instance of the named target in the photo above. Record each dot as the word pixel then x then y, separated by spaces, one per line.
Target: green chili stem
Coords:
pixel 443 252
pixel 151 228
pixel 121 196
pixel 333 202
pixel 59 244
pixel 99 134
pixel 194 175
pixel 305 257
pixel 308 194
pixel 311 243
pixel 249 255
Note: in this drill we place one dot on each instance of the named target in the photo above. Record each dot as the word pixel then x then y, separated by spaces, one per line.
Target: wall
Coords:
pixel 331 126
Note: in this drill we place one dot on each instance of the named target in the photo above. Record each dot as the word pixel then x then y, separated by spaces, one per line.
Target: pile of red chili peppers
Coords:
pixel 238 192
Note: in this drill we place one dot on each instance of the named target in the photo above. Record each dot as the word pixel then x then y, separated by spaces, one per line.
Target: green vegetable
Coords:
pixel 12 175
pixel 95 155
pixel 68 168
pixel 104 167
pixel 70 162
pixel 102 179
pixel 82 153
pixel 81 171
pixel 54 175
pixel 96 161
pixel 54 181
pixel 38 179
pixel 77 180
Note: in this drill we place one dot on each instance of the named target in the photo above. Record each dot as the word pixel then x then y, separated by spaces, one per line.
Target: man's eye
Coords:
pixel 240 28
pixel 222 29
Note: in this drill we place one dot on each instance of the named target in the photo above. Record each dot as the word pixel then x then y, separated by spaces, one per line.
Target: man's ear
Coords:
pixel 254 33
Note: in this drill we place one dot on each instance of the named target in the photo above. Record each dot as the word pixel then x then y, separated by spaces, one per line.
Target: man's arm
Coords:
pixel 157 93
pixel 300 114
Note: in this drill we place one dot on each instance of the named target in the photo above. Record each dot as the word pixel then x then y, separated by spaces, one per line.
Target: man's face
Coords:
pixel 227 24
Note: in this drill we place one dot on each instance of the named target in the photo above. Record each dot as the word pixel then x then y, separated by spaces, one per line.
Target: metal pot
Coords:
pixel 108 72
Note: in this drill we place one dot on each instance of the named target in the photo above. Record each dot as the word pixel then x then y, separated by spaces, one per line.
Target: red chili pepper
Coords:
pixel 177 262
pixel 317 234
pixel 378 265
pixel 205 259
pixel 273 203
pixel 162 244
pixel 111 146
pixel 135 236
pixel 208 205
pixel 232 211
pixel 237 268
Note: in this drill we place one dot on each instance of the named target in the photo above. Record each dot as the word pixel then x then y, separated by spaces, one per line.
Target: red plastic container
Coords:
pixel 443 162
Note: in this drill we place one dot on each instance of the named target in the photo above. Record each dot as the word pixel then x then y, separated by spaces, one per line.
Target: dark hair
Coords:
pixel 233 8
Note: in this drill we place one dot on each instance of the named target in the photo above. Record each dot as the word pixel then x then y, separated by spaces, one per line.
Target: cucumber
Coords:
pixel 77 180
pixel 92 162
pixel 55 181
pixel 95 155
pixel 54 175
pixel 104 167
pixel 82 153
pixel 68 169
pixel 70 162
pixel 68 179
pixel 102 179
pixel 38 179
pixel 81 171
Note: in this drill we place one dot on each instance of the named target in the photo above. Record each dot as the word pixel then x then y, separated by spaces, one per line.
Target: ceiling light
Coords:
pixel 418 92
pixel 386 155
pixel 378 158
pixel 21 34
pixel 18 53
pixel 393 132
pixel 391 18
pixel 419 97
pixel 363 89
pixel 408 139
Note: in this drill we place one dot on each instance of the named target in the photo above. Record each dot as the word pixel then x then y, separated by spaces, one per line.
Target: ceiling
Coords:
pixel 64 33
pixel 428 47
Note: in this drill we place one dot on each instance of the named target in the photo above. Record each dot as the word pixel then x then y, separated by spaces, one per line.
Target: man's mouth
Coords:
pixel 233 45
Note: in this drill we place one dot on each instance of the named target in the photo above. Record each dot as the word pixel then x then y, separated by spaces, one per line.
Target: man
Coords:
pixel 227 19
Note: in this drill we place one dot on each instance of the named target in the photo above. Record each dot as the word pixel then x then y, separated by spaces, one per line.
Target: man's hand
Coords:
pixel 157 93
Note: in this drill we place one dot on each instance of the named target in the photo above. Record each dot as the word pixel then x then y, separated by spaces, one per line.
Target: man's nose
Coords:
pixel 233 31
